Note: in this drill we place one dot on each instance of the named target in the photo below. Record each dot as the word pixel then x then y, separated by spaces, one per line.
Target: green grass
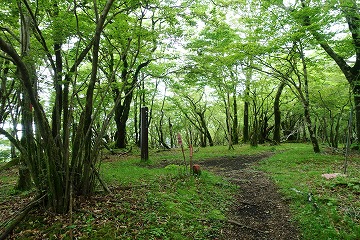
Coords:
pixel 334 212
pixel 160 200
pixel 8 180
pixel 149 201
pixel 174 205
pixel 200 154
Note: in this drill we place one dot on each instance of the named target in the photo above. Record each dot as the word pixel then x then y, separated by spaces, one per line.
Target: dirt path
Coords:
pixel 260 212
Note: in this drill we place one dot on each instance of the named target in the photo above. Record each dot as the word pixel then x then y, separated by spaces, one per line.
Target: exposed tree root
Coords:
pixel 244 226
pixel 10 225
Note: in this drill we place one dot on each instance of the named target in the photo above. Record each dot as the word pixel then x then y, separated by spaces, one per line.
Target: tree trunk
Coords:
pixel 205 130
pixel 356 92
pixel 24 181
pixel 160 129
pixel 121 117
pixel 306 103
pixel 235 130
pixel 122 113
pixel 313 138
pixel 264 129
pixel 136 117
pixel 277 114
pixel 255 133
pixel 171 134
pixel 248 77
pixel 228 120
pixel 87 182
pixel 46 160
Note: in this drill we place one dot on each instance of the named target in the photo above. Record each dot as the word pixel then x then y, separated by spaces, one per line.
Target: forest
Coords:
pixel 76 74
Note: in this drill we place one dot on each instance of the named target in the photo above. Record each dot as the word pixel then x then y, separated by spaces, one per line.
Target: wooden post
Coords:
pixel 144 144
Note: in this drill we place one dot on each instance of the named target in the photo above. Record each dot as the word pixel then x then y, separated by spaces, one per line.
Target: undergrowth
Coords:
pixel 159 199
pixel 324 208
pixel 148 201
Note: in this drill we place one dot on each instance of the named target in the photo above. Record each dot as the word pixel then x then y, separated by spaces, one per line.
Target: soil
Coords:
pixel 259 211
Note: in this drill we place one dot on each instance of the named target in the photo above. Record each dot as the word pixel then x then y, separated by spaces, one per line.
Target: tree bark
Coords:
pixel 122 113
pixel 277 113
pixel 235 129
pixel 87 182
pixel 171 133
pixel 24 181
pixel 228 120
pixel 306 102
pixel 248 76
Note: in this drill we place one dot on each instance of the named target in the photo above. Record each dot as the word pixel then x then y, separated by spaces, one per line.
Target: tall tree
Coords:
pixel 132 46
pixel 318 17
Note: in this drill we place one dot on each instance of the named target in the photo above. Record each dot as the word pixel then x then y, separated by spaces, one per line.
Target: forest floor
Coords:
pixel 259 211
pixel 151 201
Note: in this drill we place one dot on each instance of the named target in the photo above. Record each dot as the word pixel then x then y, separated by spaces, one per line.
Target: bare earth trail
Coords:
pixel 260 211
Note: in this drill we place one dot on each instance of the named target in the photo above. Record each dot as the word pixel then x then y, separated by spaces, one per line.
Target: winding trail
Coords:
pixel 260 211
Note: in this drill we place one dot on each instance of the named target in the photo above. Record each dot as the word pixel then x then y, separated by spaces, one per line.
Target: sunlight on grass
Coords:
pixel 334 209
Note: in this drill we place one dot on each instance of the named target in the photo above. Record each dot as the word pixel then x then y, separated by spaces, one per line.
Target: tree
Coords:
pixel 213 64
pixel 59 168
pixel 340 49
pixel 194 109
pixel 132 46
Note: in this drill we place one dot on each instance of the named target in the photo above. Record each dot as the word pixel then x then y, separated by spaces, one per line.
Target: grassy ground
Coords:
pixel 325 209
pixel 159 200
pixel 149 201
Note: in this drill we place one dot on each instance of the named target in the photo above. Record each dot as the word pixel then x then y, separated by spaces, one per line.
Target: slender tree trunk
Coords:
pixel 337 127
pixel 160 129
pixel 356 92
pixel 171 134
pixel 306 104
pixel 313 138
pixel 235 130
pixel 24 181
pixel 264 129
pixel 246 127
pixel 277 113
pixel 328 137
pixel 228 120
pixel 136 121
pixel 90 157
pixel 255 133
pixel 46 158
